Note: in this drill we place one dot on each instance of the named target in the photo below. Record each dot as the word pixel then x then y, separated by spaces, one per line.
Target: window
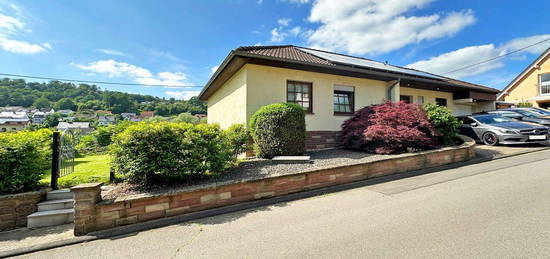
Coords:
pixel 544 84
pixel 299 93
pixel 420 100
pixel 343 99
pixel 441 102
pixel 405 98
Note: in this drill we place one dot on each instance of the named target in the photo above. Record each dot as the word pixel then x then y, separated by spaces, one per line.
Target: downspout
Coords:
pixel 390 89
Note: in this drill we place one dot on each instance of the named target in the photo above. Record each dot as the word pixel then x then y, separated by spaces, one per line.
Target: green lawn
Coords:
pixel 90 168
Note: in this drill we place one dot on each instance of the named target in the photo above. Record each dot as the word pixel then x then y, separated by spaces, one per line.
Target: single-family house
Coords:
pixel 532 85
pixel 146 114
pixel 82 127
pixel 38 117
pixel 65 112
pixel 13 121
pixel 127 115
pixel 105 120
pixel 329 86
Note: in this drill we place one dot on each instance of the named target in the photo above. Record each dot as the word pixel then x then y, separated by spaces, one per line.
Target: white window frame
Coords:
pixel 419 98
pixel 545 84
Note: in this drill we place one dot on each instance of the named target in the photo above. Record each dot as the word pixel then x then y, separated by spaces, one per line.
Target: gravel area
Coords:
pixel 258 169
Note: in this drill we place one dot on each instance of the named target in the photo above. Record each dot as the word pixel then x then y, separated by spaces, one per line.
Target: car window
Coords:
pixel 466 120
pixel 527 113
pixel 492 119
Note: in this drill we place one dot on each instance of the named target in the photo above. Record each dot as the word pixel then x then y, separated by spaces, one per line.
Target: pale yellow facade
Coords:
pixel 526 88
pixel 227 106
pixel 254 86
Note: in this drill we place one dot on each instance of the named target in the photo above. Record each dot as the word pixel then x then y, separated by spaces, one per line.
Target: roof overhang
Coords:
pixel 237 59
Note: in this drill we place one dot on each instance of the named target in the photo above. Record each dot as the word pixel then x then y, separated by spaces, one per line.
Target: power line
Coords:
pixel 497 57
pixel 97 82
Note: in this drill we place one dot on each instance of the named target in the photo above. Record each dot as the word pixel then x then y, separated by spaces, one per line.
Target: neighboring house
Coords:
pixel 105 120
pixel 65 112
pixel 38 117
pixel 531 85
pixel 13 121
pixel 127 115
pixel 146 114
pixel 14 109
pixel 329 86
pixel 83 127
pixel 200 116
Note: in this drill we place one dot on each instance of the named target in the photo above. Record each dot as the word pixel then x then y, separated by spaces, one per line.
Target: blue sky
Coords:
pixel 180 42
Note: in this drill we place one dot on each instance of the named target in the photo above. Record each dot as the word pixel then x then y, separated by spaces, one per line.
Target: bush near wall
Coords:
pixel 166 153
pixel 101 138
pixel 389 128
pixel 24 156
pixel 444 122
pixel 278 129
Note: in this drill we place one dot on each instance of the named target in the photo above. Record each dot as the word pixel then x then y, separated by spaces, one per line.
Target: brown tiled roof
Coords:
pixel 291 52
pixel 286 52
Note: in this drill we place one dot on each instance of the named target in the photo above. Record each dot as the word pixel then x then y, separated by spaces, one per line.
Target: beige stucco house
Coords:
pixel 329 86
pixel 532 85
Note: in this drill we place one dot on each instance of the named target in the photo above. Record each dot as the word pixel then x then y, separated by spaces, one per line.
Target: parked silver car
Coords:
pixel 493 129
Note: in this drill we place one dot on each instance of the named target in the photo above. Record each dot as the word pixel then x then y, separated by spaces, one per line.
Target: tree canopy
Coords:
pixel 61 96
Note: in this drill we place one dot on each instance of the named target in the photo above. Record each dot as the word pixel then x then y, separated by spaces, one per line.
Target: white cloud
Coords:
pixel 295 31
pixel 379 26
pixel 9 28
pixel 112 68
pixel 284 21
pixel 112 52
pixel 213 69
pixel 182 95
pixel 526 41
pixel 460 58
pixel 463 57
pixel 277 35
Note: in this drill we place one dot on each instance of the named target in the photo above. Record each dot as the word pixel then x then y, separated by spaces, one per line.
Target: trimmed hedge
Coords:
pixel 444 122
pixel 24 156
pixel 278 129
pixel 389 128
pixel 166 153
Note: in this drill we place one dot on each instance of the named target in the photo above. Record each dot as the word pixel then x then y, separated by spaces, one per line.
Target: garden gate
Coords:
pixel 63 153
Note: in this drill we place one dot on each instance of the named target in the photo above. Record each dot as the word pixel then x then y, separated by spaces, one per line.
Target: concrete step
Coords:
pixel 59 194
pixel 56 204
pixel 50 218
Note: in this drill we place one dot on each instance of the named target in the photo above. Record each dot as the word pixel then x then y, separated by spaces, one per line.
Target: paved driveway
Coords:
pixel 497 209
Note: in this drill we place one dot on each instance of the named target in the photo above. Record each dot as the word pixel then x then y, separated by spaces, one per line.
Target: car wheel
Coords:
pixel 490 139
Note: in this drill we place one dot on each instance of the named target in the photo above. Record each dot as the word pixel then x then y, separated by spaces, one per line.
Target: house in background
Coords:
pixel 329 86
pixel 105 120
pixel 82 127
pixel 146 114
pixel 127 115
pixel 532 85
pixel 13 121
pixel 39 117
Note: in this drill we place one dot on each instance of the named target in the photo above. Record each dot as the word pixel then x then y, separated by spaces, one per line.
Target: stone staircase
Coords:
pixel 58 209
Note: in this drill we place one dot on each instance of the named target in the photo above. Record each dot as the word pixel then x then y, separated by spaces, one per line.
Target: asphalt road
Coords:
pixel 497 209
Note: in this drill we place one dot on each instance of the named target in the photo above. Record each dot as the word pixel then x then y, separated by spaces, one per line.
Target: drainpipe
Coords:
pixel 391 87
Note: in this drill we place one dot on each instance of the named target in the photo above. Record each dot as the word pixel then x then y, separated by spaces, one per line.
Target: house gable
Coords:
pixel 524 88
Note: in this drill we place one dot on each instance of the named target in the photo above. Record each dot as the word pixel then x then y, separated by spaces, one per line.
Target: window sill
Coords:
pixel 343 113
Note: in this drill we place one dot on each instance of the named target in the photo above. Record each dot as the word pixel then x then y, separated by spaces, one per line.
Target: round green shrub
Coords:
pixel 238 138
pixel 24 156
pixel 278 129
pixel 444 122
pixel 166 153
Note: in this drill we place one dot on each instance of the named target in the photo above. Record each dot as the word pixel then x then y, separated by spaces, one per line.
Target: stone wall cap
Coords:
pixel 86 186
pixel 23 194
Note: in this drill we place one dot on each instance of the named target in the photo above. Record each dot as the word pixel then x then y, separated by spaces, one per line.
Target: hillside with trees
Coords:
pixel 60 96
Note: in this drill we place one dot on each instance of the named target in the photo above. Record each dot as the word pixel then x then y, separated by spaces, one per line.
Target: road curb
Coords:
pixel 124 230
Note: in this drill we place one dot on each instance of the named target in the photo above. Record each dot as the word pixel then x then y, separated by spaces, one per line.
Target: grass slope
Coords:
pixel 91 168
